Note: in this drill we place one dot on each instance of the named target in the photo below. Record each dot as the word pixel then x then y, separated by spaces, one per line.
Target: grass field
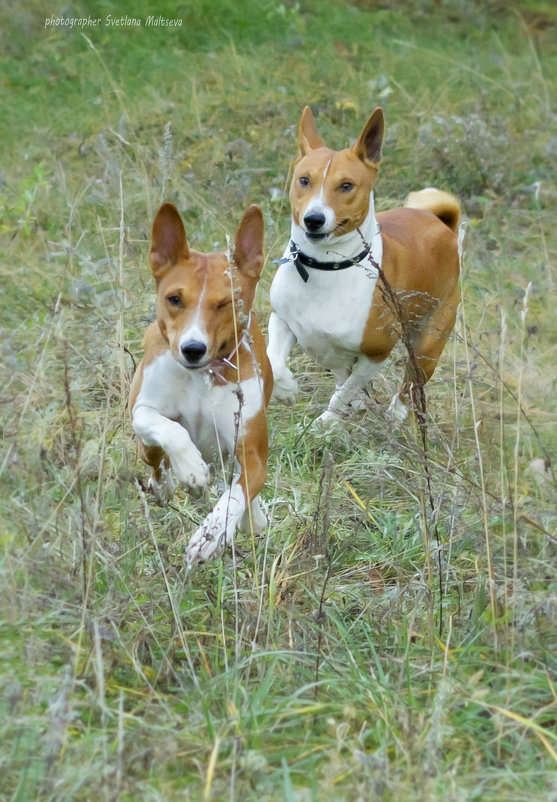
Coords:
pixel 387 637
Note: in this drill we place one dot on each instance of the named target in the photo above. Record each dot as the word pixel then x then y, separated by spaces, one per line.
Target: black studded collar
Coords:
pixel 302 261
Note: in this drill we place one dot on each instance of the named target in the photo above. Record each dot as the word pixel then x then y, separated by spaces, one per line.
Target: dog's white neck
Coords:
pixel 347 245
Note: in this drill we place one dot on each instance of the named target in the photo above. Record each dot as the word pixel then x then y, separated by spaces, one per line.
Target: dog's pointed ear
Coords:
pixel 368 145
pixel 248 243
pixel 168 239
pixel 308 137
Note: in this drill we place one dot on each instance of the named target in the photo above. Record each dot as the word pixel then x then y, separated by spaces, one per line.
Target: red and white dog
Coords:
pixel 204 383
pixel 348 276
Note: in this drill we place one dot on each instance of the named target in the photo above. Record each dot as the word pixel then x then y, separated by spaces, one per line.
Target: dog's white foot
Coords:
pixel 397 411
pixel 285 387
pixel 218 528
pixel 207 542
pixel 326 422
pixel 360 403
pixel 163 488
pixel 190 470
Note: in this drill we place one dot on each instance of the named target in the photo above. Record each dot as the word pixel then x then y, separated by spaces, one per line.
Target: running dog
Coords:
pixel 352 281
pixel 203 385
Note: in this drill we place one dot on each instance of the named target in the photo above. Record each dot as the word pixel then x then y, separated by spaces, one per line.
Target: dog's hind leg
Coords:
pixel 428 345
pixel 254 520
pixel 347 393
pixel 161 483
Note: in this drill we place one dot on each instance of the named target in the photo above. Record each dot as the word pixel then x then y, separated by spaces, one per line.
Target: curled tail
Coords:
pixel 444 205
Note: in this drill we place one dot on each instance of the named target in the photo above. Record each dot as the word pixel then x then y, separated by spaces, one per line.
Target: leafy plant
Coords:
pixel 18 215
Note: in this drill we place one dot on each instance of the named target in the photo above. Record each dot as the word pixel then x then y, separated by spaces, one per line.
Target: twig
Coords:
pixel 325 493
pixel 420 407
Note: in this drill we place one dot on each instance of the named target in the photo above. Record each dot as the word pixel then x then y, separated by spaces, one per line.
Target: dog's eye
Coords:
pixel 174 300
pixel 346 186
pixel 304 181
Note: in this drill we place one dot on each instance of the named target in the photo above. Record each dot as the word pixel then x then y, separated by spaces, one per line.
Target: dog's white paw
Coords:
pixel 190 470
pixel 218 528
pixel 163 488
pixel 328 421
pixel 207 542
pixel 397 411
pixel 361 402
pixel 285 387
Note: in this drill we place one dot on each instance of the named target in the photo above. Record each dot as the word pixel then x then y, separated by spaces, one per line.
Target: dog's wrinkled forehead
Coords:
pixel 327 166
pixel 197 271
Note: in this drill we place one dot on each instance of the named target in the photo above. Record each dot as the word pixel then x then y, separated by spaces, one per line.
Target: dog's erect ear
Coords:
pixel 368 145
pixel 248 243
pixel 168 239
pixel 308 138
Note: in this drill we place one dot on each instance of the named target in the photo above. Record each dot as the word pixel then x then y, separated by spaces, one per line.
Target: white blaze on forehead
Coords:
pixel 325 171
pixel 196 331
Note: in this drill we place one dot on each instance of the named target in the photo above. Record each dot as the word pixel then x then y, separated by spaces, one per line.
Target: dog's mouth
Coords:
pixel 211 363
pixel 317 236
pixel 340 228
pixel 198 366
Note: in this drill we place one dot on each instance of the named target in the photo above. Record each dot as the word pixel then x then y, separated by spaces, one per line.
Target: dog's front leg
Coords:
pixel 232 509
pixel 154 429
pixel 345 394
pixel 219 526
pixel 217 530
pixel 281 340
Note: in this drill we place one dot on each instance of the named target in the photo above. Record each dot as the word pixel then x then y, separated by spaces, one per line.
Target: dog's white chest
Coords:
pixel 208 412
pixel 328 314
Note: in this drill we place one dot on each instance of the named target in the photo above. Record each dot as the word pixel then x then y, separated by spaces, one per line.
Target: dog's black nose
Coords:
pixel 314 221
pixel 193 352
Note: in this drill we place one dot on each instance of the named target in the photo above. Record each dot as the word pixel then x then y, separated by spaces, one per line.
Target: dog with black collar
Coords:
pixel 351 280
